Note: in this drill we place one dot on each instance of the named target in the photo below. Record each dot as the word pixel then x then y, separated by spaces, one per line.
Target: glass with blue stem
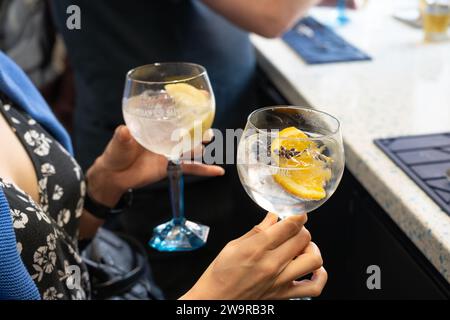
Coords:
pixel 167 107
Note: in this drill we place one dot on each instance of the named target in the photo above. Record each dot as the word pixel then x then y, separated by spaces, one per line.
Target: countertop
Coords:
pixel 405 90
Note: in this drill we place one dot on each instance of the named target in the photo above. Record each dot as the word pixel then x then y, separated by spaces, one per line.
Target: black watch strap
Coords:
pixel 103 212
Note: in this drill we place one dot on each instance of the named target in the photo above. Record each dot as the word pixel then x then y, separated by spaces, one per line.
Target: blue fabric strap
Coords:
pixel 15 84
pixel 15 281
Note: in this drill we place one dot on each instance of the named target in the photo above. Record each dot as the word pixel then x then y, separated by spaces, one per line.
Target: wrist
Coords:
pixel 100 187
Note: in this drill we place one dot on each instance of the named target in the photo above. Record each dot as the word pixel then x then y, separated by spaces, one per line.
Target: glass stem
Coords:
pixel 342 9
pixel 175 175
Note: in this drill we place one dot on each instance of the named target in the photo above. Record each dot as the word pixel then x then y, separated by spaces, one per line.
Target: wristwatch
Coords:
pixel 103 212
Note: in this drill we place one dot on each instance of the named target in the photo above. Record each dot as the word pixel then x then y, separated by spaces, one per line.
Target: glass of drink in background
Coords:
pixel 168 107
pixel 436 19
pixel 290 159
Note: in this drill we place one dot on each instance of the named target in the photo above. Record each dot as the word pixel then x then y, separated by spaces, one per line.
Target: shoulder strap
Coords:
pixel 18 87
pixel 15 281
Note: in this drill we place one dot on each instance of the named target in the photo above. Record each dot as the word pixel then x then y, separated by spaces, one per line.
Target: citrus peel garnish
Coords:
pixel 194 104
pixel 303 169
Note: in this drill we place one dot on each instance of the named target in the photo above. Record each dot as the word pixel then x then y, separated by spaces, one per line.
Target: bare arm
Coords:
pixel 268 18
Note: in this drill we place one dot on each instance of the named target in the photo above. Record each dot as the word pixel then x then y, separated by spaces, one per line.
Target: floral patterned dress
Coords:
pixel 47 231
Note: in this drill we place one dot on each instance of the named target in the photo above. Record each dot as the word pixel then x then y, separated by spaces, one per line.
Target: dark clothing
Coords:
pixel 47 231
pixel 117 36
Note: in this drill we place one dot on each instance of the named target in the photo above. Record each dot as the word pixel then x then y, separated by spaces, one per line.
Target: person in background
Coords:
pixel 116 36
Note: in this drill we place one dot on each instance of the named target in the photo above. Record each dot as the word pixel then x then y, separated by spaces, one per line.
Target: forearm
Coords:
pixel 89 225
pixel 269 18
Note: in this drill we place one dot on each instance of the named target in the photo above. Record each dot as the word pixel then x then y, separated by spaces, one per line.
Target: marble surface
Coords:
pixel 405 90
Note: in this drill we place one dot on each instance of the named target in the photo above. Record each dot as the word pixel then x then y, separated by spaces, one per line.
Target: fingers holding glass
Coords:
pixel 290 161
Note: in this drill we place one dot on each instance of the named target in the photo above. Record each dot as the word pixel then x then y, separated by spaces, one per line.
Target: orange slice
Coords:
pixel 306 172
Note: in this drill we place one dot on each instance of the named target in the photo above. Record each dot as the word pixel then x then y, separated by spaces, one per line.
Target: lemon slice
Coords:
pixel 303 169
pixel 194 105
pixel 203 123
pixel 187 96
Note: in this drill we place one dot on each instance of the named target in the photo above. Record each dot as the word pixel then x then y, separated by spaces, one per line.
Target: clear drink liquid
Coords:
pixel 257 170
pixel 163 127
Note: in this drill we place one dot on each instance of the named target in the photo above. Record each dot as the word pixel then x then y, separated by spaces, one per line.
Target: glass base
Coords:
pixel 171 236
pixel 436 36
pixel 342 20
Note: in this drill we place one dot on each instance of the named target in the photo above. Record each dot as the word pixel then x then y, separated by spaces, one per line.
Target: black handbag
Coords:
pixel 118 268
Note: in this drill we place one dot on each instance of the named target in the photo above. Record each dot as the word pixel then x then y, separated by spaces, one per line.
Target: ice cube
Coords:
pixel 158 105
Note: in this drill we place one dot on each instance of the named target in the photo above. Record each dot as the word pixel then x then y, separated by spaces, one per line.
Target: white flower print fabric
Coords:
pixel 39 142
pixel 20 219
pixel 46 230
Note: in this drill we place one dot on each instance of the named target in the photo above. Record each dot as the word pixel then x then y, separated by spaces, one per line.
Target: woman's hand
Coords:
pixel 126 164
pixel 264 264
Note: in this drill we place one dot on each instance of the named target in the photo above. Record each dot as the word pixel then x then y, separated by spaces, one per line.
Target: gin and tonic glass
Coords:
pixel 168 107
pixel 290 159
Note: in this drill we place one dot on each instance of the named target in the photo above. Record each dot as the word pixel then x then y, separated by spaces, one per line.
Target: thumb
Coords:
pixel 122 150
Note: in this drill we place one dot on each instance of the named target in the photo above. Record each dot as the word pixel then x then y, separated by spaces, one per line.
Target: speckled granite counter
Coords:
pixel 405 90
